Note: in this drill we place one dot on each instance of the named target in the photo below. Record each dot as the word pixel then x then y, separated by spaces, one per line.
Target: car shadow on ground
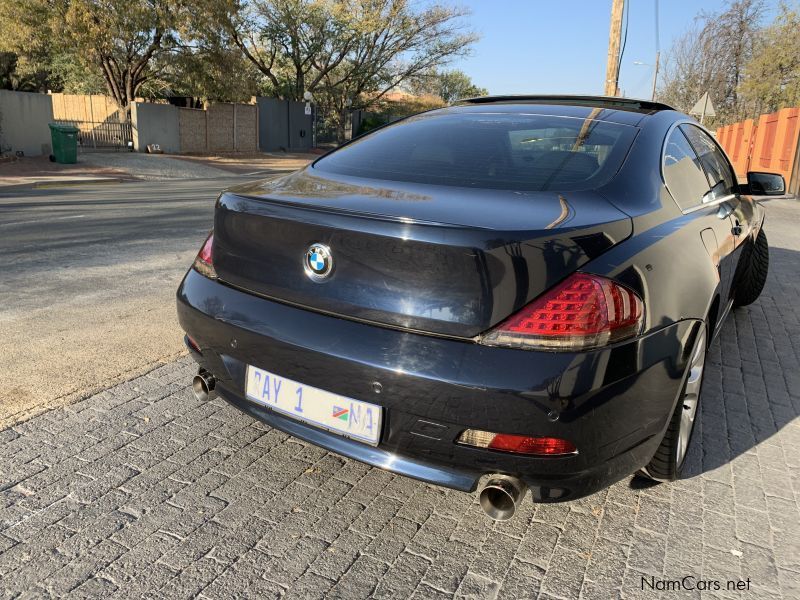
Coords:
pixel 752 375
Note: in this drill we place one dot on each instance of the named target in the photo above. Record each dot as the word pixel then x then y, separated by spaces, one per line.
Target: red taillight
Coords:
pixel 518 444
pixel 583 311
pixel 204 262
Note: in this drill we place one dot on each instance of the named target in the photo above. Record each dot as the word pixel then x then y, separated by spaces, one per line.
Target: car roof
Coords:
pixel 626 111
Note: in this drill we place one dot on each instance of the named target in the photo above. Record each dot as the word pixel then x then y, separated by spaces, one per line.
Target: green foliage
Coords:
pixel 772 76
pixel 450 86
pixel 348 53
pixel 215 74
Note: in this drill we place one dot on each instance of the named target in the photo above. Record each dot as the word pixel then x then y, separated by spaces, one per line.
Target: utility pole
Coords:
pixel 655 76
pixel 658 52
pixel 614 36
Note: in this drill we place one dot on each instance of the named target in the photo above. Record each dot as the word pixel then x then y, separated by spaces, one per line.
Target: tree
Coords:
pixel 448 85
pixel 122 41
pixel 347 53
pixel 124 38
pixel 711 57
pixel 772 77
pixel 25 44
pixel 221 74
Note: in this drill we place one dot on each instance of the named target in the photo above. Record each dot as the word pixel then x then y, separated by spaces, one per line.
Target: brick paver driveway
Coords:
pixel 141 490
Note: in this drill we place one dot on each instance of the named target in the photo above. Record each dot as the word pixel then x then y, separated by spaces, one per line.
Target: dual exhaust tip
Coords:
pixel 499 498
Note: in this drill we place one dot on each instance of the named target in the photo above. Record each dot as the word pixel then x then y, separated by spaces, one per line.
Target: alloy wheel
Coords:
pixel 691 396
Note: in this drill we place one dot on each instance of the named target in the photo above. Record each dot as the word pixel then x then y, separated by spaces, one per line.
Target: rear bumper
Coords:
pixel 613 404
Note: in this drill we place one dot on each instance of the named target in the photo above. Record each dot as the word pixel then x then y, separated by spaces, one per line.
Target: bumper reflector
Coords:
pixel 193 344
pixel 518 444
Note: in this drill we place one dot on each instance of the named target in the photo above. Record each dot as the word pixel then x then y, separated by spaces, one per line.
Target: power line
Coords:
pixel 626 8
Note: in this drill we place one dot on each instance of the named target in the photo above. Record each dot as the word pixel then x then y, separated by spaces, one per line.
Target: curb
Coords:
pixel 43 185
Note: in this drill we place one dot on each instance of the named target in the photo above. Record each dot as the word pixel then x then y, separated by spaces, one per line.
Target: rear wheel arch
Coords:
pixel 667 462
pixel 713 314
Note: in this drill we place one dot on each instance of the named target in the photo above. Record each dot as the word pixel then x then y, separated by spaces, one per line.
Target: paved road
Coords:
pixel 89 273
pixel 141 490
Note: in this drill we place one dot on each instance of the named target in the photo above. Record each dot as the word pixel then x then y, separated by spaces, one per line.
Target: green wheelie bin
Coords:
pixel 65 143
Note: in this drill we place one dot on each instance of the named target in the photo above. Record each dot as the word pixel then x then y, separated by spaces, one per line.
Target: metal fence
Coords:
pixel 770 143
pixel 105 135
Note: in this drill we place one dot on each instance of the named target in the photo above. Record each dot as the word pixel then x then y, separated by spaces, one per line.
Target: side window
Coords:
pixel 683 174
pixel 721 178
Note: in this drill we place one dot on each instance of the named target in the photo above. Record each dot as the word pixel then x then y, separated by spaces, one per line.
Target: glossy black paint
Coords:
pixel 429 258
pixel 422 272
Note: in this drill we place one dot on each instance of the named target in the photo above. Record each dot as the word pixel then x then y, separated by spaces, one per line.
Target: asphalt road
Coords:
pixel 89 273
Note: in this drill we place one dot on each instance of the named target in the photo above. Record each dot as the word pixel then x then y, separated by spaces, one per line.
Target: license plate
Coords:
pixel 346 416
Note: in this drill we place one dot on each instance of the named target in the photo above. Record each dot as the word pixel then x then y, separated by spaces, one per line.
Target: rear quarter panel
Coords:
pixel 665 260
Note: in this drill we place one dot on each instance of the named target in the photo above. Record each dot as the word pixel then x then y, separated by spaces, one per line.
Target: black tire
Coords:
pixel 667 462
pixel 751 272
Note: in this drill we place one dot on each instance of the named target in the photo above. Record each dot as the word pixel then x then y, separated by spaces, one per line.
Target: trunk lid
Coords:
pixel 437 259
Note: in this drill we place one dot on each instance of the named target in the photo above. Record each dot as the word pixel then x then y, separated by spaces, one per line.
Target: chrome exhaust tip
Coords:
pixel 501 495
pixel 202 385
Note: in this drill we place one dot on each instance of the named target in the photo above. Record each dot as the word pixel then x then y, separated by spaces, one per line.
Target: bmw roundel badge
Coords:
pixel 318 262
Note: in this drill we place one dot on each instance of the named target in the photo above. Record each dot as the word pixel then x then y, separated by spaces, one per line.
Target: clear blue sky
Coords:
pixel 546 46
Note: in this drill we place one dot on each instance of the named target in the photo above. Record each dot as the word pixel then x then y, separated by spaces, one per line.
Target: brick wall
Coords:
pixel 222 127
pixel 192 123
pixel 246 127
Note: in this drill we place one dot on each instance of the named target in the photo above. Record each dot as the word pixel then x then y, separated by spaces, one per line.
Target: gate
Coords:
pixel 102 136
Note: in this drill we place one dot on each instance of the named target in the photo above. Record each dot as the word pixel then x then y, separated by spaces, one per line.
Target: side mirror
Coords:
pixel 766 184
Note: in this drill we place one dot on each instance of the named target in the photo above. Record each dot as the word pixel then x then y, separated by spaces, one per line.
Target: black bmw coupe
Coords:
pixel 512 293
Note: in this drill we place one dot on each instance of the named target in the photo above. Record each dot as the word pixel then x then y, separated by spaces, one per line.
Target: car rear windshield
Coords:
pixel 488 150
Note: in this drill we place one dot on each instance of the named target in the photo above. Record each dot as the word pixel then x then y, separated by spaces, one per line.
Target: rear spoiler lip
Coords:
pixel 337 210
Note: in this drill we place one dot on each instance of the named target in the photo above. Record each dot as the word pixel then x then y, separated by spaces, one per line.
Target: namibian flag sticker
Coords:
pixel 341 413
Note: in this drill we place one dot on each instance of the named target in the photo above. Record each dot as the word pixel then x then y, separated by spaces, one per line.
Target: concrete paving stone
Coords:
pixel 293 561
pixel 647 552
pixel 337 518
pixel 189 582
pixel 476 587
pixel 375 517
pixel 338 556
pixel 580 531
pixel 360 580
pixel 607 564
pixel 426 592
pixel 403 576
pixel 449 567
pixel 522 580
pixel 392 540
pixel 719 530
pixel 243 573
pixel 309 586
pixel 539 543
pixel 473 528
pixel 433 535
pixel 565 573
pixel 495 557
